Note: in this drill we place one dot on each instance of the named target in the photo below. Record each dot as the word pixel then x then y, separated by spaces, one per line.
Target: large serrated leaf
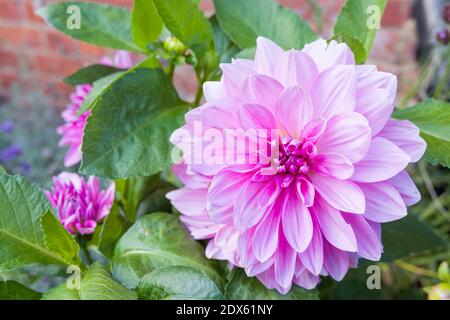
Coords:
pixel 360 19
pixel 128 133
pixel 159 240
pixel 178 283
pixel 58 240
pixel 245 20
pixel 99 24
pixel 185 21
pixel 21 236
pixel 146 23
pixel 96 284
pixel 11 290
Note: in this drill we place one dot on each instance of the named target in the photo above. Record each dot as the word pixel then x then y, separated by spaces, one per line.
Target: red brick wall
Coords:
pixel 33 56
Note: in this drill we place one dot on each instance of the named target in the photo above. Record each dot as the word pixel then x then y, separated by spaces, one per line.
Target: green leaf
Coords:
pixel 224 47
pixel 242 287
pixel 58 240
pixel 11 290
pixel 97 284
pixel 109 232
pixel 359 19
pixel 102 85
pixel 178 283
pixel 21 237
pixel 409 237
pixel 3 170
pixel 128 132
pixel 98 87
pixel 146 23
pixel 159 240
pixel 245 20
pixel 99 24
pixel 433 119
pixel 90 74
pixel 185 21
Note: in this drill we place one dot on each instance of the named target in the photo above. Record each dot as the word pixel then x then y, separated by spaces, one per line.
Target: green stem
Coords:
pixel 440 87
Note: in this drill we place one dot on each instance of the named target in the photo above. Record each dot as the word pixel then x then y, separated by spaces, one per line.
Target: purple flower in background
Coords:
pixel 80 204
pixel 7 126
pixel 72 130
pixel 11 152
pixel 25 167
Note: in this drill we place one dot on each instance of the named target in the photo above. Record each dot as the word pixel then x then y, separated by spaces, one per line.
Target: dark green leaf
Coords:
pixel 245 20
pixel 128 132
pixel 58 240
pixel 21 237
pixel 99 24
pixel 359 19
pixel 109 232
pixel 146 23
pixel 185 21
pixel 11 290
pixel 433 119
pixel 90 74
pixel 158 240
pixel 97 284
pixel 224 47
pixel 242 287
pixel 178 283
pixel 408 237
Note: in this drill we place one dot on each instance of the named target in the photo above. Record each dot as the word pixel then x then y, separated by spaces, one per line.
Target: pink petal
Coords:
pixel 267 56
pixel 312 257
pixel 406 136
pixel 305 191
pixel 296 68
pixel 383 202
pixel 346 134
pixel 383 161
pixel 294 110
pixel 188 201
pixel 262 90
pixel 334 91
pixel 342 195
pixel 284 263
pixel 254 116
pixel 297 223
pixel 265 240
pixel 214 91
pixel 253 201
pixel 334 164
pixel 306 279
pixel 369 245
pixel 224 188
pixel 375 106
pixel 235 74
pixel 327 55
pixel 406 187
pixel 334 228
pixel 336 262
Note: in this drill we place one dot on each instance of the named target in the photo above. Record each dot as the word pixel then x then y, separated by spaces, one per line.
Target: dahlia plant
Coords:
pixel 289 164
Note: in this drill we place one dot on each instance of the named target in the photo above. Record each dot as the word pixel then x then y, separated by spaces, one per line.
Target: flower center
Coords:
pixel 295 158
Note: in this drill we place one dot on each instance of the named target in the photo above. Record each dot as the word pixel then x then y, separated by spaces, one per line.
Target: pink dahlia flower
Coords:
pixel 316 207
pixel 80 204
pixel 72 130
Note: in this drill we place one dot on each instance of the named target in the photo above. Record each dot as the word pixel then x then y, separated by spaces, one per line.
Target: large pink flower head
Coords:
pixel 72 130
pixel 80 204
pixel 335 171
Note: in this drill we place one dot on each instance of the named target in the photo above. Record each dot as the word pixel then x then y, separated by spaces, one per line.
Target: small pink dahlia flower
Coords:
pixel 340 170
pixel 72 130
pixel 80 204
